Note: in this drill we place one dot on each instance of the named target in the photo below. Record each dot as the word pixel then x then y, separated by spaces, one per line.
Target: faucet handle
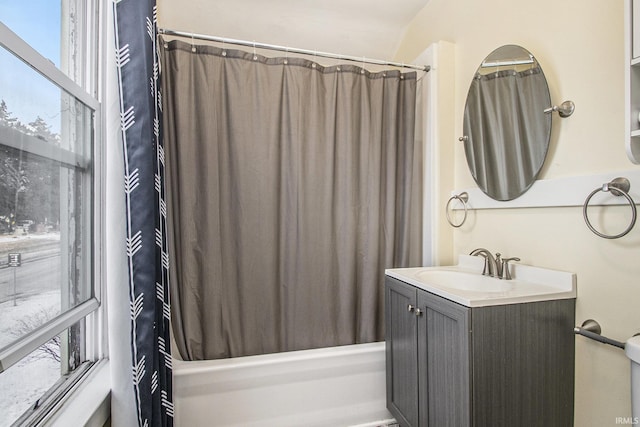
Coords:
pixel 486 269
pixel 506 273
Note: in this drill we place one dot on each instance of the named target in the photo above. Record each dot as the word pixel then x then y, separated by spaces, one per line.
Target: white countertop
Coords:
pixel 463 283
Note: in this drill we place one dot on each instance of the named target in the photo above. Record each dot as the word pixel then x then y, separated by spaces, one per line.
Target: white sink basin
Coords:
pixel 463 281
pixel 465 284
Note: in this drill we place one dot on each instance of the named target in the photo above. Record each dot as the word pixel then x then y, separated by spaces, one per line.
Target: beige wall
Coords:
pixel 580 45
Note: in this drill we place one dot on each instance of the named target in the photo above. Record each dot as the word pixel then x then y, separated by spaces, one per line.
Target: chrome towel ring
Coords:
pixel 617 187
pixel 463 198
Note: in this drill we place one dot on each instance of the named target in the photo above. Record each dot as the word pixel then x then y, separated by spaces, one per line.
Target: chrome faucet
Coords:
pixel 495 267
pixel 490 266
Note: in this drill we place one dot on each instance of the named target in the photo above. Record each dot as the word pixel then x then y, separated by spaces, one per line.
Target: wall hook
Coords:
pixel 564 110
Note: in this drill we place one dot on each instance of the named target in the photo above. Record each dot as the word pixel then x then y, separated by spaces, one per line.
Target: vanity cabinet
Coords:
pixel 502 365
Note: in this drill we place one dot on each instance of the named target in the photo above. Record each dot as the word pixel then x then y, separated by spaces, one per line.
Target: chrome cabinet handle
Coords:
pixel 410 308
pixel 418 312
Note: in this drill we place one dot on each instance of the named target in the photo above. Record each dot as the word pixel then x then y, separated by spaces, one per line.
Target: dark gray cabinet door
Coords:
pixel 523 365
pixel 401 352
pixel 443 360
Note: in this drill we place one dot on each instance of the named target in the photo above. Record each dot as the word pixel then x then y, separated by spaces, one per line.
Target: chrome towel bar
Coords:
pixel 591 329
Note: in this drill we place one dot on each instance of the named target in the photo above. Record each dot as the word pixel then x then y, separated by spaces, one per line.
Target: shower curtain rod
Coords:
pixel 424 68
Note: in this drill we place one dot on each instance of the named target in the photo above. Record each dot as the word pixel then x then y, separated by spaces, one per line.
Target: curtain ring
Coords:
pixel 617 187
pixel 463 198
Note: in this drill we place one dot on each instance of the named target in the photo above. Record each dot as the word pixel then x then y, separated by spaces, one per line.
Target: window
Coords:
pixel 49 187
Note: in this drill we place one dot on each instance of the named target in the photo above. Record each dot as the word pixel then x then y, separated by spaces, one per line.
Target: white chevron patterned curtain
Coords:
pixel 140 107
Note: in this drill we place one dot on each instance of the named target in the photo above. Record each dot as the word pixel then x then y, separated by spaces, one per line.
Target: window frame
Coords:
pixel 86 90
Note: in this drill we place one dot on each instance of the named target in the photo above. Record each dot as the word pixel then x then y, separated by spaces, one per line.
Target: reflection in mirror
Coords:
pixel 506 131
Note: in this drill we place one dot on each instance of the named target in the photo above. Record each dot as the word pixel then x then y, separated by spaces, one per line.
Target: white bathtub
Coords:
pixel 337 386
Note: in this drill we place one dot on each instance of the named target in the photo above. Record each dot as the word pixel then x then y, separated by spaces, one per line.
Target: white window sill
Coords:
pixel 89 404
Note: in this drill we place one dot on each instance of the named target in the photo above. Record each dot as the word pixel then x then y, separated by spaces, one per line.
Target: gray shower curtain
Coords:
pixel 292 186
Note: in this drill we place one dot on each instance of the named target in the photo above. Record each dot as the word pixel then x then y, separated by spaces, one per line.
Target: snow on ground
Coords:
pixel 19 236
pixel 28 311
pixel 25 382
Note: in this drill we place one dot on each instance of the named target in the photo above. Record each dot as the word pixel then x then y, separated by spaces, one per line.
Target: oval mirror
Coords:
pixel 506 130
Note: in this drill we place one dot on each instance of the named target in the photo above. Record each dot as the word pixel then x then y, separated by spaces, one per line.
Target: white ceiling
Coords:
pixel 371 28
